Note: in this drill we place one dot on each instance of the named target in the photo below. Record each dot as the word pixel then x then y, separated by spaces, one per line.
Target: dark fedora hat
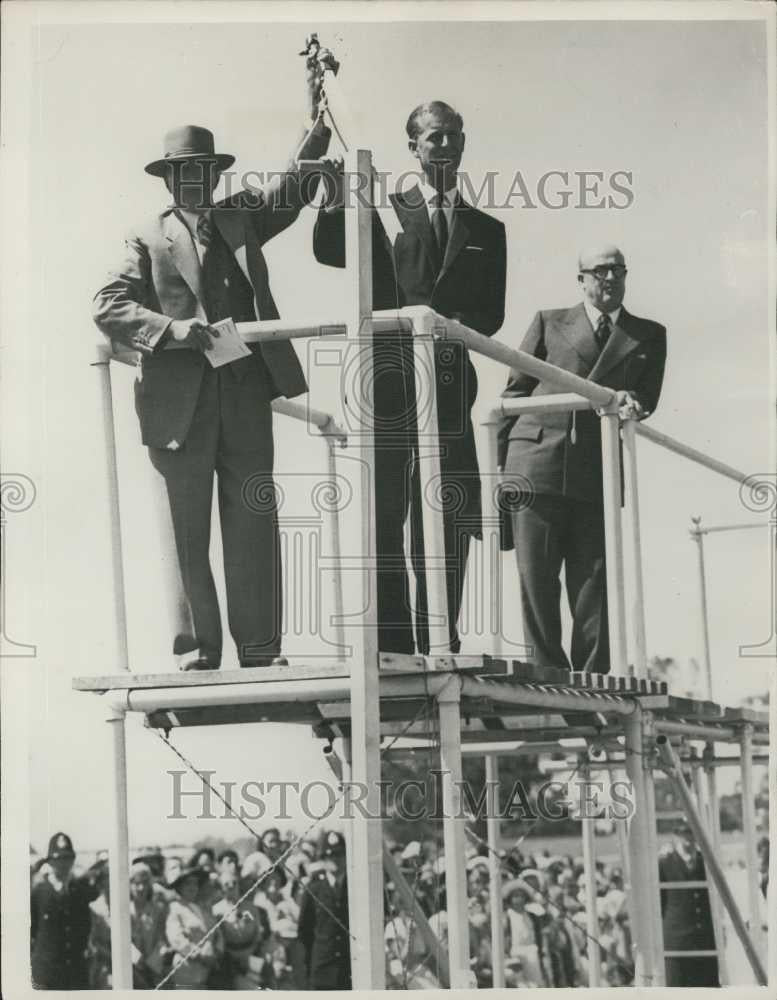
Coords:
pixel 188 142
pixel 199 873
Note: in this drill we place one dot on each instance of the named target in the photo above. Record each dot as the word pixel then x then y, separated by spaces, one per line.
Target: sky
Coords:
pixel 681 105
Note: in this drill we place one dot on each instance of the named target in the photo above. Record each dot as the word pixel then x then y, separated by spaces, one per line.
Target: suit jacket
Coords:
pixel 160 279
pixel 686 914
pixel 560 453
pixel 323 931
pixel 470 286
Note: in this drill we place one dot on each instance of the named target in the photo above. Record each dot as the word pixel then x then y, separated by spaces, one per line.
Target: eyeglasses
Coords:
pixel 600 273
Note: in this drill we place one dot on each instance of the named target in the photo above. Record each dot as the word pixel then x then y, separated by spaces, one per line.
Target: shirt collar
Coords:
pixel 593 314
pixel 190 215
pixel 450 197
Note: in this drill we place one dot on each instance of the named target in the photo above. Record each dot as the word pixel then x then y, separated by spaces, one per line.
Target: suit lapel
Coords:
pixel 577 330
pixel 458 236
pixel 183 254
pixel 232 227
pixel 414 217
pixel 622 341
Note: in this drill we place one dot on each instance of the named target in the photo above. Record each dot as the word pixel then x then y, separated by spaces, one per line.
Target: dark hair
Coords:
pixel 435 108
pixel 228 853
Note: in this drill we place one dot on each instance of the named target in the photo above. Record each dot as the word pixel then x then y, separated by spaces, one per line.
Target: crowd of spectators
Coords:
pixel 542 913
pixel 246 917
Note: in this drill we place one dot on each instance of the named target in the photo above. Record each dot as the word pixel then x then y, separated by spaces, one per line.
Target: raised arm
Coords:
pixel 277 201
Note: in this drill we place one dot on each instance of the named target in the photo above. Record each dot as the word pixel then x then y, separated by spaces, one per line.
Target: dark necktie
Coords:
pixel 204 230
pixel 440 227
pixel 603 330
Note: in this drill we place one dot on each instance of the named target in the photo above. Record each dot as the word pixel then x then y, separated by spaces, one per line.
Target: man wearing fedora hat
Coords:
pixel 61 920
pixel 192 265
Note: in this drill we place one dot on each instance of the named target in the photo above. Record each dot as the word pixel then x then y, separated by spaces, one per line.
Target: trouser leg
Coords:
pixel 538 532
pixel 188 477
pixel 392 477
pixel 456 542
pixel 586 580
pixel 249 521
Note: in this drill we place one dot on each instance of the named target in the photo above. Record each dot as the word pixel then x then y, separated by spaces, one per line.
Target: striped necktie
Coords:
pixel 204 230
pixel 603 330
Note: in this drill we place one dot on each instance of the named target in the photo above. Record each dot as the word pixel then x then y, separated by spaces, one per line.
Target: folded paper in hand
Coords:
pixel 228 346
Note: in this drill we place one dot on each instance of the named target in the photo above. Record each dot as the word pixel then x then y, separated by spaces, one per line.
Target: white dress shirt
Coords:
pixel 593 314
pixel 450 200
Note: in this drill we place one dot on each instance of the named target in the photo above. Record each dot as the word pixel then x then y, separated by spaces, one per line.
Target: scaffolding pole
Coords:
pixel 643 866
pixel 448 702
pixel 697 534
pixel 430 478
pixel 589 867
pixel 118 858
pixel 367 952
pixel 494 871
pixel 635 538
pixel 613 537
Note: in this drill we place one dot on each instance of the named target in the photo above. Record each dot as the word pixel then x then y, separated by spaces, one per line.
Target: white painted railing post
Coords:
pixel 613 536
pixel 365 890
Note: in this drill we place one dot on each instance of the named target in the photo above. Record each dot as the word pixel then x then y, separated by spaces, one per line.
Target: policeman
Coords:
pixel 686 914
pixel 323 921
pixel 61 921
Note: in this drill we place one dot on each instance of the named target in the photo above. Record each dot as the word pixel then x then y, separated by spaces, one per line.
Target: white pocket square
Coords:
pixel 473 248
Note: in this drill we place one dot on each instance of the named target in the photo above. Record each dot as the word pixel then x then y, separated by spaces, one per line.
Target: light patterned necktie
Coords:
pixel 603 330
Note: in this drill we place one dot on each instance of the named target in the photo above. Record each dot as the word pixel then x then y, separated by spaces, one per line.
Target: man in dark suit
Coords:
pixel 323 928
pixel 452 257
pixel 552 461
pixel 686 913
pixel 192 265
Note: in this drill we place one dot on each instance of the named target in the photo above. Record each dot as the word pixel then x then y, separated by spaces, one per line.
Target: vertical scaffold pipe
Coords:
pixel 448 703
pixel 713 807
pixel 494 870
pixel 118 858
pixel 642 865
pixel 613 536
pixel 697 534
pixel 335 552
pixel 103 368
pixel 491 516
pixel 430 477
pixel 632 508
pixel 589 868
pixel 366 899
pixel 648 735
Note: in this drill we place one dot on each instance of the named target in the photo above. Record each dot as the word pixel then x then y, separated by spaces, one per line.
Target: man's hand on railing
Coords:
pixel 192 333
pixel 629 407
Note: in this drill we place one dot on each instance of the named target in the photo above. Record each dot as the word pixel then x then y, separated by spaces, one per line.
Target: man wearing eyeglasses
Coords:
pixel 552 461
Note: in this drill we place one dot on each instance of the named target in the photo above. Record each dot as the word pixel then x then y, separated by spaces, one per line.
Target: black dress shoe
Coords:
pixel 264 661
pixel 200 663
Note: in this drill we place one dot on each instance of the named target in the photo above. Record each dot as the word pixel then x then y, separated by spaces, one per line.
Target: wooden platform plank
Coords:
pixel 197 678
